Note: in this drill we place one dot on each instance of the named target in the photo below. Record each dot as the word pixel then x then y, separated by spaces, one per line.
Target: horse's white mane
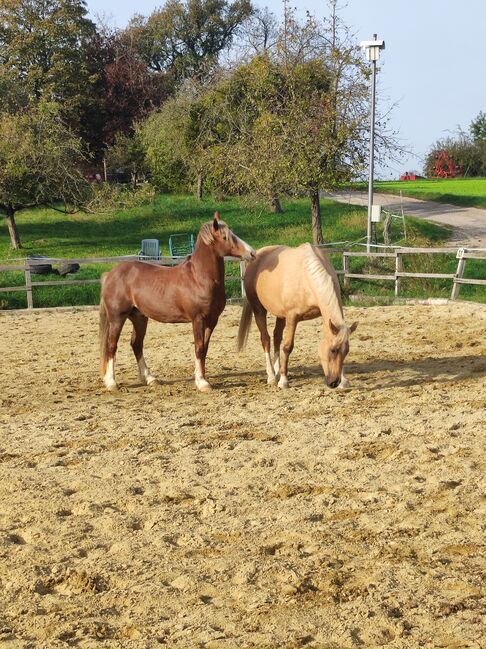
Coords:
pixel 324 287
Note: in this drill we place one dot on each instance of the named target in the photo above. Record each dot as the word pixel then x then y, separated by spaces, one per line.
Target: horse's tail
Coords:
pixel 104 329
pixel 245 322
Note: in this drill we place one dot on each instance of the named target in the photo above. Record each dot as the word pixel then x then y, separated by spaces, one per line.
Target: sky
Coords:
pixel 431 72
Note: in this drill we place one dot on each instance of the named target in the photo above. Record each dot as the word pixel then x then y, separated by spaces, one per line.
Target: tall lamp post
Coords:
pixel 372 51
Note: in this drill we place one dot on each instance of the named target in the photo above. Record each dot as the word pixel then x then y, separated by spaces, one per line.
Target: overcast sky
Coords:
pixel 433 67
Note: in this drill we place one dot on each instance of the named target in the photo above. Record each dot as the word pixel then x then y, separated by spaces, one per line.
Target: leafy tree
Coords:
pixel 130 90
pixel 179 140
pixel 128 155
pixel 187 37
pixel 478 128
pixel 465 153
pixel 46 53
pixel 39 164
pixel 290 121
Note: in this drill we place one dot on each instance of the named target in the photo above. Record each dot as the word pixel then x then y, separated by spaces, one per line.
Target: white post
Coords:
pixel 372 155
pixel 242 276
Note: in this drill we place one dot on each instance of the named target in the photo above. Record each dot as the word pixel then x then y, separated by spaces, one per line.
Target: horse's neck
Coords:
pixel 331 308
pixel 206 262
pixel 326 292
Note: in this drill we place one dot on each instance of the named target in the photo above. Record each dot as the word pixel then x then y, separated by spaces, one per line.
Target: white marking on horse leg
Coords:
pixel 283 382
pixel 270 373
pixel 109 378
pixel 276 363
pixel 344 382
pixel 201 384
pixel 144 371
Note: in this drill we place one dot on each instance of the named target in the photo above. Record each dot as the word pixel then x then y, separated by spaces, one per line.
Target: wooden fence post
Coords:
pixel 398 269
pixel 28 285
pixel 456 286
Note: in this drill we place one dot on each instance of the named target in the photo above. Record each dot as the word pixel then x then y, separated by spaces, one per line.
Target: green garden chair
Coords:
pixel 181 245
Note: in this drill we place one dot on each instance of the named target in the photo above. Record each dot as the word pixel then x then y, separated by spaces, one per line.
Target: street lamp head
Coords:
pixel 372 49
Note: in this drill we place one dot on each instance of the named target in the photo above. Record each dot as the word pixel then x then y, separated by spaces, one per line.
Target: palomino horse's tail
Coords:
pixel 104 329
pixel 245 322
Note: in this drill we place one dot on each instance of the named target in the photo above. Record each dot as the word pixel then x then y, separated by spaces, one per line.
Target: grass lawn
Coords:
pixel 53 234
pixel 467 192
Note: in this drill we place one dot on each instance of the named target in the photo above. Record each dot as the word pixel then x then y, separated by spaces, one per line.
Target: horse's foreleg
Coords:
pixel 261 320
pixel 277 340
pixel 344 383
pixel 115 327
pixel 202 334
pixel 140 322
pixel 288 346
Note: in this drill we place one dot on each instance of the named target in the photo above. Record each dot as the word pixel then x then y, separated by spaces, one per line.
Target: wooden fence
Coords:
pixel 457 278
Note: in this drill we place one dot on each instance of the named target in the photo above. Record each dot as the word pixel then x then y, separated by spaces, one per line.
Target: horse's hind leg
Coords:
pixel 261 320
pixel 277 340
pixel 111 343
pixel 140 322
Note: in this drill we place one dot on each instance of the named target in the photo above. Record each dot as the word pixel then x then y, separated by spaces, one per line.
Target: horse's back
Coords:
pixel 279 280
pixel 137 284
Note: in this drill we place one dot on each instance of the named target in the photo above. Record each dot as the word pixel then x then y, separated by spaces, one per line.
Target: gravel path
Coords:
pixel 468 224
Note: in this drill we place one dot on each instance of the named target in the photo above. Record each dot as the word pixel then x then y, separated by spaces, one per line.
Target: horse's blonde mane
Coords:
pixel 206 231
pixel 324 287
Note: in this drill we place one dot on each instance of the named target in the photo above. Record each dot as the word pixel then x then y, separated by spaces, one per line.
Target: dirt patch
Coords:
pixel 247 517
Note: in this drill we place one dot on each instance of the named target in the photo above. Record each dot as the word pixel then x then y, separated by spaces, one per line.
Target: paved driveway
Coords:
pixel 467 224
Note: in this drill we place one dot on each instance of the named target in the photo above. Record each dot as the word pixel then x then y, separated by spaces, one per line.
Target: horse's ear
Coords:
pixel 335 330
pixel 216 220
pixel 353 327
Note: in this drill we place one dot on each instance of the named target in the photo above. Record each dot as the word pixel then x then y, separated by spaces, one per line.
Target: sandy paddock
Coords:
pixel 247 517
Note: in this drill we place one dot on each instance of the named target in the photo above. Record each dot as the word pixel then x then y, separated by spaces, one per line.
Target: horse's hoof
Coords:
pixel 283 383
pixel 344 385
pixel 112 387
pixel 271 380
pixel 152 380
pixel 203 386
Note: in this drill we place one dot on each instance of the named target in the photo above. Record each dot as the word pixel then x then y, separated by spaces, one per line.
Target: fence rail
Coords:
pixel 457 278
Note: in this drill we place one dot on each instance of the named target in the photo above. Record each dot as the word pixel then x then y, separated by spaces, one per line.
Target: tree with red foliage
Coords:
pixel 131 89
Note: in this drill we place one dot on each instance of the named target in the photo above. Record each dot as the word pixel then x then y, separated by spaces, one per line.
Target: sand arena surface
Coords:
pixel 250 516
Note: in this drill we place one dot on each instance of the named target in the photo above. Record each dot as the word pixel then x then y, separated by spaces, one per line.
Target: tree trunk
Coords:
pixel 317 237
pixel 199 189
pixel 12 228
pixel 275 206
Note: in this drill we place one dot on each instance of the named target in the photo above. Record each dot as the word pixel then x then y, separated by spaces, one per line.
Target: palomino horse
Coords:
pixel 192 291
pixel 296 284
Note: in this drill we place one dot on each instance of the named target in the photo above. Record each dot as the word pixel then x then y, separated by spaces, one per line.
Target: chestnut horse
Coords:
pixel 192 291
pixel 296 284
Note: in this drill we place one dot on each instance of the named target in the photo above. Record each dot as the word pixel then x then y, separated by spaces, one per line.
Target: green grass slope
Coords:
pixel 466 192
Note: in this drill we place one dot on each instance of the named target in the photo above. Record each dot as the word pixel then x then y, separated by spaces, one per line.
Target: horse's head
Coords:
pixel 333 349
pixel 227 243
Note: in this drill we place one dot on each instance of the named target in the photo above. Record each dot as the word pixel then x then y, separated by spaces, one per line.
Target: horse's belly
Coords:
pixel 281 299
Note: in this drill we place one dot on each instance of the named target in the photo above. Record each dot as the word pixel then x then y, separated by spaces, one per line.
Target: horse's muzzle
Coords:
pixel 333 384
